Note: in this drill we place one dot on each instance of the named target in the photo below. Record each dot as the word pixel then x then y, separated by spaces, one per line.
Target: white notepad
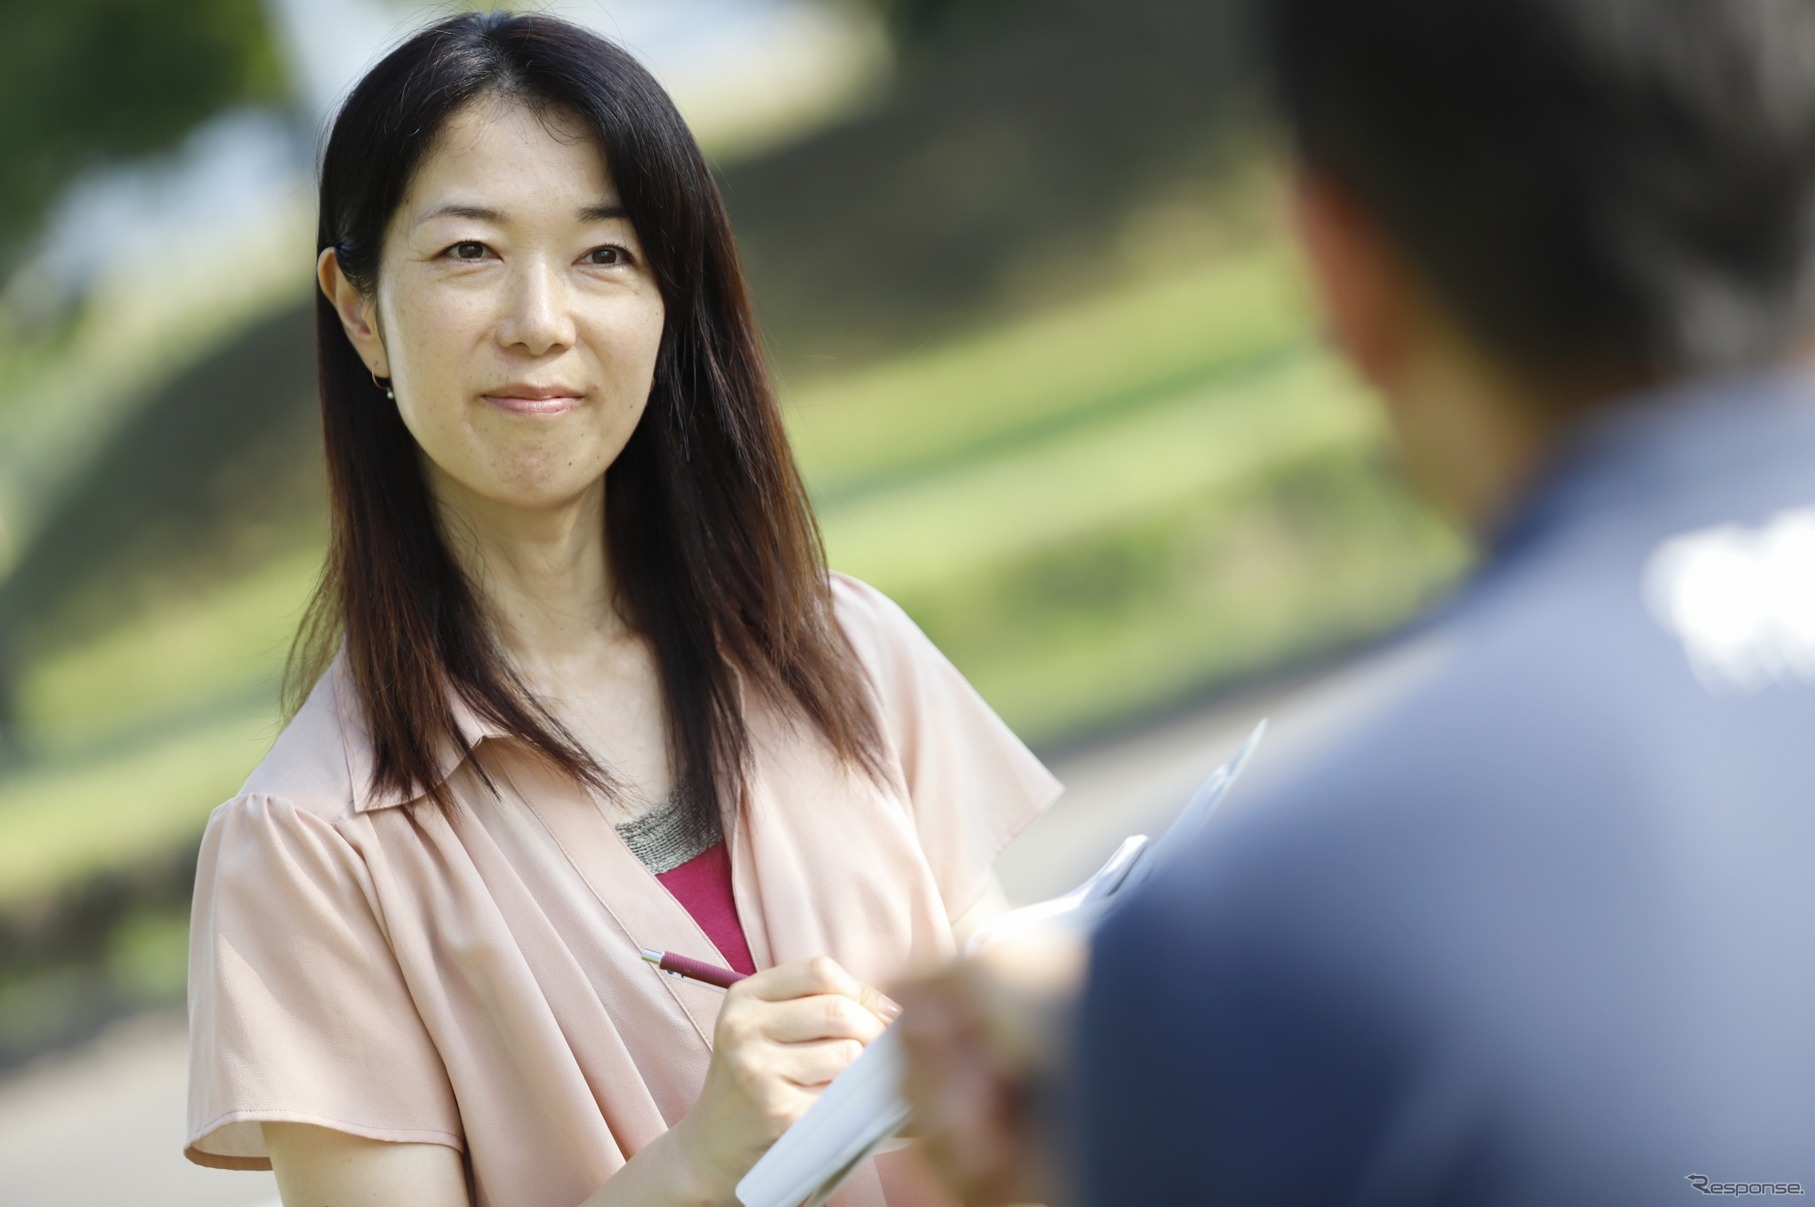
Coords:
pixel 862 1110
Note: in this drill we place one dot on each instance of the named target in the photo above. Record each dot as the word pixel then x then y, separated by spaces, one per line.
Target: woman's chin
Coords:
pixel 530 495
pixel 541 500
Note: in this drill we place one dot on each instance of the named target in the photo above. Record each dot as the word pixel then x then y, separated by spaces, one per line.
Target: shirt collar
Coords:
pixel 1638 447
pixel 361 759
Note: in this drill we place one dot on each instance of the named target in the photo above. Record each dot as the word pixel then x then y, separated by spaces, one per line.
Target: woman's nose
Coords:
pixel 536 317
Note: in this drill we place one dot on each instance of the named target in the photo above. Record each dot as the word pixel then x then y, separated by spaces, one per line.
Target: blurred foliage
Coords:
pixel 210 468
pixel 142 965
pixel 1030 157
pixel 918 21
pixel 83 82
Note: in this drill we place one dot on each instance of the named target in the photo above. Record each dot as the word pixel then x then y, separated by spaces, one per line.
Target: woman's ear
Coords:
pixel 358 313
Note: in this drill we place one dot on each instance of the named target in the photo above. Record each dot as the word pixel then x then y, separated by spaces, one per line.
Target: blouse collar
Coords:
pixel 349 711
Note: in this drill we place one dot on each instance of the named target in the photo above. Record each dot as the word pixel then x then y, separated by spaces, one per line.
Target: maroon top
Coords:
pixel 703 885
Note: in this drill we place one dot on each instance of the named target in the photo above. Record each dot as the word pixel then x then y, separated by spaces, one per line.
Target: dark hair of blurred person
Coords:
pixel 1606 194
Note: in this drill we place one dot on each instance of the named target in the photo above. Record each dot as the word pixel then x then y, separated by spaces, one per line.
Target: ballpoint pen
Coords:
pixel 693 970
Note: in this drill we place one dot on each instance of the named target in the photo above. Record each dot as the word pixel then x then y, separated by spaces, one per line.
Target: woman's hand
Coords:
pixel 782 1036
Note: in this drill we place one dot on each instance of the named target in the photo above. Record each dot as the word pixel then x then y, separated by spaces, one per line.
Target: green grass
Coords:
pixel 1097 574
pixel 1315 551
pixel 184 657
pixel 64 819
pixel 942 406
pixel 1093 479
pixel 1093 511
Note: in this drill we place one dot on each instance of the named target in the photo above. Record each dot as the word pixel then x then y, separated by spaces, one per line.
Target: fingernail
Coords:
pixel 888 1010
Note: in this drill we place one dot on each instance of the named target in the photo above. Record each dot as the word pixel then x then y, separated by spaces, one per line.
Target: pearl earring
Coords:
pixel 384 383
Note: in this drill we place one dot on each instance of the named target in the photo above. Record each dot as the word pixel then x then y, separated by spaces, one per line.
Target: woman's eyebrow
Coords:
pixel 454 209
pixel 603 212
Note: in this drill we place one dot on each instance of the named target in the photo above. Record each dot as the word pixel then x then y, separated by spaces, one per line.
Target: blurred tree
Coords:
pixel 919 21
pixel 10 744
pixel 1017 135
pixel 83 82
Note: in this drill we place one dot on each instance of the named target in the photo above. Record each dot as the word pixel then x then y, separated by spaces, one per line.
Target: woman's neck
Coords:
pixel 544 578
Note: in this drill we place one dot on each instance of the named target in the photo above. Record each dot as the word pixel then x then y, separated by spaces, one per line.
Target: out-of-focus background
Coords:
pixel 1047 359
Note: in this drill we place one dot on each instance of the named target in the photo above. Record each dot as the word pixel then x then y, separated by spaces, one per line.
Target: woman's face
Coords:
pixel 514 313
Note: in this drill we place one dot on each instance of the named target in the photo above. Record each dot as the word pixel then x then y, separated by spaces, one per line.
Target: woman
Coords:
pixel 581 686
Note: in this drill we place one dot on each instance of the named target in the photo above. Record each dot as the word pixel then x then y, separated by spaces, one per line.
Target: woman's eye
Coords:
pixel 608 255
pixel 468 250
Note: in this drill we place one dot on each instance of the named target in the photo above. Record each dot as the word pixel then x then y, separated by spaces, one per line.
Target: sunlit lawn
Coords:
pixel 1093 511
pixel 948 405
pixel 1099 573
pixel 68 818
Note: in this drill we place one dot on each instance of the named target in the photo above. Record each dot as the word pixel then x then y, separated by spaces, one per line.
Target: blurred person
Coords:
pixel 1538 930
pixel 577 684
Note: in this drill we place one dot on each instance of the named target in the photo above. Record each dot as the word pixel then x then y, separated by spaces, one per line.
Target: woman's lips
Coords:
pixel 539 404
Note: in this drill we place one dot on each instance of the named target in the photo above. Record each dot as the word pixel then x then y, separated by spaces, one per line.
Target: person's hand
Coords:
pixel 985 1039
pixel 781 1037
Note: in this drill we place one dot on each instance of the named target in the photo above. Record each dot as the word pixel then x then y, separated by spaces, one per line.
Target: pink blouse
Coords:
pixel 472 978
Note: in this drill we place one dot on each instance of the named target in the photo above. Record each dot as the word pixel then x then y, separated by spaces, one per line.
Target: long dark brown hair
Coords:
pixel 713 544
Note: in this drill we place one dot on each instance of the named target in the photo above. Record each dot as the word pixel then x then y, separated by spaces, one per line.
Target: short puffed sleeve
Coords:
pixel 971 782
pixel 298 1010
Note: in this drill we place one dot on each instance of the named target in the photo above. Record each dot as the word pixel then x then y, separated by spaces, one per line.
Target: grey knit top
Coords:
pixel 671 833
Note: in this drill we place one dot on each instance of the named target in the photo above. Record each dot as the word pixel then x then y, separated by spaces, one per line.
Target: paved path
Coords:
pixel 101 1127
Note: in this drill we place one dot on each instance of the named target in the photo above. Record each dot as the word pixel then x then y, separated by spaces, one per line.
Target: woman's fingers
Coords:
pixel 816 977
pixel 824 1016
pixel 804 1041
pixel 801 1023
pixel 878 1003
pixel 812 1066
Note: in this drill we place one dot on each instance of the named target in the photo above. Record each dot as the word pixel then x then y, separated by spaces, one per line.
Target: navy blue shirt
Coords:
pixel 1542 929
